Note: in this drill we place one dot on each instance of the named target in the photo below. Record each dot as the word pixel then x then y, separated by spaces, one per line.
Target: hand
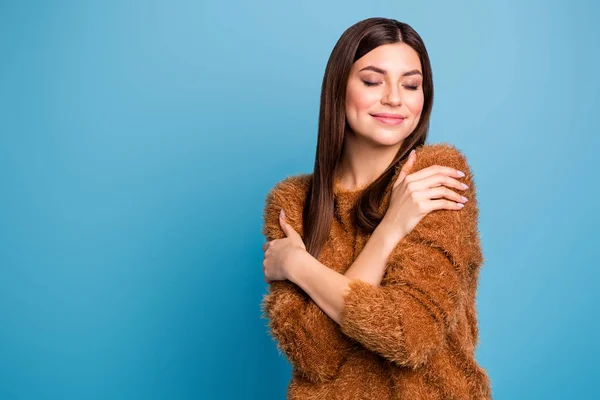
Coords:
pixel 413 195
pixel 281 253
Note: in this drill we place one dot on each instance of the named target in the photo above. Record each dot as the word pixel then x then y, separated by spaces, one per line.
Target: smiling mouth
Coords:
pixel 389 120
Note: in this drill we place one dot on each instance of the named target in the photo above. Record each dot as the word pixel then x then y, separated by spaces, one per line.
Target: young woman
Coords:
pixel 373 259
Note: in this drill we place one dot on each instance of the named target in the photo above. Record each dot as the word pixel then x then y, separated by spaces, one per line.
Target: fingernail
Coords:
pixel 460 173
pixel 412 153
pixel 282 214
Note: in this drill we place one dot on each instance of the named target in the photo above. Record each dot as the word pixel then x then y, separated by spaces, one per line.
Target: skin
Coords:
pixel 371 145
pixel 369 148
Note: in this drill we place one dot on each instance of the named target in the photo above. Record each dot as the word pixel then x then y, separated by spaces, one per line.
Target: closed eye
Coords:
pixel 367 83
pixel 370 83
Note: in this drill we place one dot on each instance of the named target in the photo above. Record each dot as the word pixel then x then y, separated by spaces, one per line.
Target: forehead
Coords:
pixel 395 58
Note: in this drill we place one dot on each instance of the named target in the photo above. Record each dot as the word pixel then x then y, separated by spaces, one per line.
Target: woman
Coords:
pixel 373 259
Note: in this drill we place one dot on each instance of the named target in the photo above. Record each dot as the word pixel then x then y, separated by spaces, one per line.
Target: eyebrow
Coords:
pixel 382 71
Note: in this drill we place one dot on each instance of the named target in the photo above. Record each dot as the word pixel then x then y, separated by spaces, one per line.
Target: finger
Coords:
pixel 288 229
pixel 265 246
pixel 432 170
pixel 283 223
pixel 400 178
pixel 442 204
pixel 410 162
pixel 437 180
pixel 441 192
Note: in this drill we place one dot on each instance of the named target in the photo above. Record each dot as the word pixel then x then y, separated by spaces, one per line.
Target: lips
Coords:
pixel 395 119
pixel 388 115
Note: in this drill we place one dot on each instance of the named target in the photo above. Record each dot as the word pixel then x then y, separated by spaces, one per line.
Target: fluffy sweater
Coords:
pixel 414 336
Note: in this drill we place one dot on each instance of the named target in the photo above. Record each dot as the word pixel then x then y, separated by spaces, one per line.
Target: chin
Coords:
pixel 387 137
pixel 381 135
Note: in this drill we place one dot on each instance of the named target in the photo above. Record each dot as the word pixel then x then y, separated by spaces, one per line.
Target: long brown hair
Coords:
pixel 354 43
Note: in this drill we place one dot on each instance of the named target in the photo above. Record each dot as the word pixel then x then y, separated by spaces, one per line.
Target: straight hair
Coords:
pixel 354 43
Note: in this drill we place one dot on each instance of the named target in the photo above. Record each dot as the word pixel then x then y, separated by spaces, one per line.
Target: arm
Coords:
pixel 313 343
pixel 404 321
pixel 407 319
pixel 327 287
pixel 303 319
pixel 371 263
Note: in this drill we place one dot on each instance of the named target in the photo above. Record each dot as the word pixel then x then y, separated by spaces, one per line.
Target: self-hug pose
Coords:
pixel 373 258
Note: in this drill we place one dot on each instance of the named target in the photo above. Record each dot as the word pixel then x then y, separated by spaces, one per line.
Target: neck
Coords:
pixel 362 162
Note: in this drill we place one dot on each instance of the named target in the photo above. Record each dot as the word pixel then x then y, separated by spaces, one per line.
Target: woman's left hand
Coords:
pixel 280 254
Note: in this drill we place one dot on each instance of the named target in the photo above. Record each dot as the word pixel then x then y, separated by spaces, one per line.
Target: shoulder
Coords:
pixel 454 231
pixel 448 155
pixel 445 154
pixel 292 188
pixel 290 195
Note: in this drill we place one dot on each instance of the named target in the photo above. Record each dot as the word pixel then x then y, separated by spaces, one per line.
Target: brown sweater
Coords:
pixel 413 337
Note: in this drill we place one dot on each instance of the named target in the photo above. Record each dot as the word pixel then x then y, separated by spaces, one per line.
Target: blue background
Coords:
pixel 138 142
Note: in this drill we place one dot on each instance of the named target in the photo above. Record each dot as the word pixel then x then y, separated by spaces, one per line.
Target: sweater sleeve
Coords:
pixel 313 343
pixel 408 317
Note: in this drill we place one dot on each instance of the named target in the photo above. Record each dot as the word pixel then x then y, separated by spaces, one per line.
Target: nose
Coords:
pixel 392 96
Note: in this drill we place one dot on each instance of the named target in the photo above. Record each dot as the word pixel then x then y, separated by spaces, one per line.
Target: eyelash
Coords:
pixel 367 83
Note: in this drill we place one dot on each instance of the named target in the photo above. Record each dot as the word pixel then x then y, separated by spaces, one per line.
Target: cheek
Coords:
pixel 358 99
pixel 415 103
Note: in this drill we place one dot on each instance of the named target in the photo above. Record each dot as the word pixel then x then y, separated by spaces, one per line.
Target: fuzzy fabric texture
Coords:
pixel 414 336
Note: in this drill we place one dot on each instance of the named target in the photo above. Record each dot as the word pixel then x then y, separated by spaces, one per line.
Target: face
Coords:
pixel 384 81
